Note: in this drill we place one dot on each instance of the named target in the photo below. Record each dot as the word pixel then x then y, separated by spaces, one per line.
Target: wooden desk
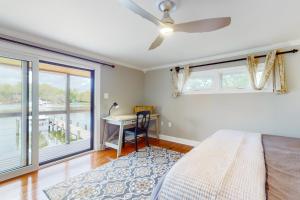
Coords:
pixel 121 121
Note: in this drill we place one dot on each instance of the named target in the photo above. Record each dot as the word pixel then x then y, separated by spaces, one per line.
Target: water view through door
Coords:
pixel 65 111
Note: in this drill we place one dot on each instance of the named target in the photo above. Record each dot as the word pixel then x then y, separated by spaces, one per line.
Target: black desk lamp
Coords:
pixel 115 104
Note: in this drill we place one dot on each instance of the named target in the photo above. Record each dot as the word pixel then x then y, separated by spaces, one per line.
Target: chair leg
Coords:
pixel 146 138
pixel 123 140
pixel 136 142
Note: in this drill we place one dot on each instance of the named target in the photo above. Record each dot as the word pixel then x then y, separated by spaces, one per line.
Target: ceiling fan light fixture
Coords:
pixel 167 25
pixel 166 30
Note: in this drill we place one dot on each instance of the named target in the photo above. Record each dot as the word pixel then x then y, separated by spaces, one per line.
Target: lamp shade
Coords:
pixel 114 105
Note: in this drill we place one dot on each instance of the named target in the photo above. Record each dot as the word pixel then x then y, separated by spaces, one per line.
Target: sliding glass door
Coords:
pixel 46 112
pixel 65 111
pixel 15 114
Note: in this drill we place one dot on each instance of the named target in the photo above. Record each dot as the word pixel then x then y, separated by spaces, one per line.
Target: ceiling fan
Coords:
pixel 167 25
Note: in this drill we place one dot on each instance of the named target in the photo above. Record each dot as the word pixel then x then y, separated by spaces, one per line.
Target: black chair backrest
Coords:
pixel 142 121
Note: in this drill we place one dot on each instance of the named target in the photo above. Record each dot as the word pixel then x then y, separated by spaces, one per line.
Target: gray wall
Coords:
pixel 124 85
pixel 198 116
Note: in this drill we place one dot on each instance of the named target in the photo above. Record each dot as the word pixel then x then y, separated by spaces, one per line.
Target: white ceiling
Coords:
pixel 108 29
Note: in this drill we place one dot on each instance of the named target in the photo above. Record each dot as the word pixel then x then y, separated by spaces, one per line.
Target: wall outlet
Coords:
pixel 162 123
pixel 169 124
pixel 106 96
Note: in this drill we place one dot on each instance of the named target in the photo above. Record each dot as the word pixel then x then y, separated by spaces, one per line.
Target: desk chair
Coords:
pixel 141 127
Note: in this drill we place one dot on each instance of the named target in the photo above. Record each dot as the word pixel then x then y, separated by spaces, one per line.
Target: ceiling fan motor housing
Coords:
pixel 166 5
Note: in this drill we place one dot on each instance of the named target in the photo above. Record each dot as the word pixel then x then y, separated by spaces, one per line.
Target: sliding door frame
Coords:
pixel 21 52
pixel 97 88
pixel 32 164
pixel 68 110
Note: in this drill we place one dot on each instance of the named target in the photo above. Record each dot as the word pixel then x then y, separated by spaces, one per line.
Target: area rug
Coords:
pixel 130 177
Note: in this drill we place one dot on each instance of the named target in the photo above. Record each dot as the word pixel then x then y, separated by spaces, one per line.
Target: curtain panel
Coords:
pixel 274 67
pixel 179 78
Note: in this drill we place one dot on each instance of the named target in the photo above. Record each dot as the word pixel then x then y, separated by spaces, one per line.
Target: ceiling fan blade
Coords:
pixel 204 25
pixel 140 11
pixel 157 42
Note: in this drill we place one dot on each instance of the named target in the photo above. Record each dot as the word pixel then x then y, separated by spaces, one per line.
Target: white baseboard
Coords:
pixel 177 140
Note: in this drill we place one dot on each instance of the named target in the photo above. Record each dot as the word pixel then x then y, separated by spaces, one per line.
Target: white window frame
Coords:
pixel 217 85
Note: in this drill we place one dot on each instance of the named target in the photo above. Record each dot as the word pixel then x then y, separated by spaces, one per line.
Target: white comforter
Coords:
pixel 227 165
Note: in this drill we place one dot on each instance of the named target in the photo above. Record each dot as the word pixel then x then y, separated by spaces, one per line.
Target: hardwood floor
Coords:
pixel 30 186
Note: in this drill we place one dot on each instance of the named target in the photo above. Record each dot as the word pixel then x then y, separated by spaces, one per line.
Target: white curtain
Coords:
pixel 179 78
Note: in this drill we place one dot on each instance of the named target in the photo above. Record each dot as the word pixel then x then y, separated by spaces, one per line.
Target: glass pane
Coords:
pixel 80 93
pixel 235 80
pixel 52 91
pixel 14 150
pixel 80 105
pixel 199 81
pixel 52 130
pixel 259 76
pixel 65 114
pixel 80 126
pixel 10 85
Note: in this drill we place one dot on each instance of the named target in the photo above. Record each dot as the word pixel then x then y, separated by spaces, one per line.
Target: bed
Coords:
pixel 235 165
pixel 282 159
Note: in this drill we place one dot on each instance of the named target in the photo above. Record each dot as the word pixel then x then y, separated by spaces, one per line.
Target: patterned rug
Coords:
pixel 129 177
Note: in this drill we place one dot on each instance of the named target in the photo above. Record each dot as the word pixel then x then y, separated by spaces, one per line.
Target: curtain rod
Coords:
pixel 53 50
pixel 235 60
